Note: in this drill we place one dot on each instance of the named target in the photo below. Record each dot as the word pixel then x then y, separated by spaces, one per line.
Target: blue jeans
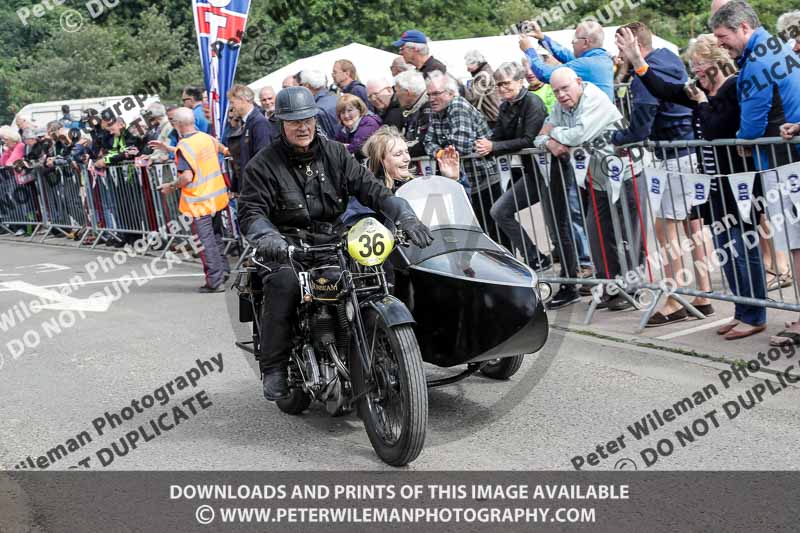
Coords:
pixel 739 257
pixel 109 207
pixel 578 231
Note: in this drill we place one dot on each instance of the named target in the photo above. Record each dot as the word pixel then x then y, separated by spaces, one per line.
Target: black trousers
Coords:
pixel 482 202
pixel 609 249
pixel 281 290
pixel 278 313
pixel 561 178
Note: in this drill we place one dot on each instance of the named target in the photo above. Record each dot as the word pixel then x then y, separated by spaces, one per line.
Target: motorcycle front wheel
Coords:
pixel 395 411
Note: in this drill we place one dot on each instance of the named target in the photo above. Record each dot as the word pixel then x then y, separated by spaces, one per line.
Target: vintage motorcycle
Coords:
pixel 354 344
pixel 464 300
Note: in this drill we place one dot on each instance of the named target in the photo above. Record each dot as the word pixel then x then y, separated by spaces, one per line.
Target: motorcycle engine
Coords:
pixel 333 394
pixel 322 379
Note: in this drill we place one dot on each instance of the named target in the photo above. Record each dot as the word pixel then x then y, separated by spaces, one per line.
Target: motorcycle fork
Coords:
pixel 364 356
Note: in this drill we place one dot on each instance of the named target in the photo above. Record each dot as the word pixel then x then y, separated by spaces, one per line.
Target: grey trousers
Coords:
pixel 209 232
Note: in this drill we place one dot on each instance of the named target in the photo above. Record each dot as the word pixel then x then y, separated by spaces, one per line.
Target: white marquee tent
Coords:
pixel 370 63
pixel 373 62
pixel 504 48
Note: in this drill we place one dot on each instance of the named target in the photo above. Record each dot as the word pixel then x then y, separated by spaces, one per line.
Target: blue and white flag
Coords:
pixel 220 26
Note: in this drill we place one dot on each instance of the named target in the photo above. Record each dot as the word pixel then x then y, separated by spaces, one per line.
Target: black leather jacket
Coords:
pixel 304 195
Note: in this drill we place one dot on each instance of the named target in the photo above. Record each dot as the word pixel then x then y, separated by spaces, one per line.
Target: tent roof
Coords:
pixel 504 48
pixel 373 62
pixel 370 63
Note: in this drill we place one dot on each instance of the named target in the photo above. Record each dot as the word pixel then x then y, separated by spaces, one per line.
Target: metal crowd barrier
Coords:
pixel 621 242
pixel 20 202
pixel 627 237
pixel 623 100
pixel 122 203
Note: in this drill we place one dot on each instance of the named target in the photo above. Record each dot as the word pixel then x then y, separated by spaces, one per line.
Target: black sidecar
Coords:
pixel 471 299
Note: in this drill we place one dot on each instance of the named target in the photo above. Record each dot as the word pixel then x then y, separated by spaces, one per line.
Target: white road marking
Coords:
pixel 689 331
pixel 98 281
pixel 61 301
pixel 48 267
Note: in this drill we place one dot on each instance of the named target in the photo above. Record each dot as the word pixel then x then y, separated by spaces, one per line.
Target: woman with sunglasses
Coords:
pixel 521 116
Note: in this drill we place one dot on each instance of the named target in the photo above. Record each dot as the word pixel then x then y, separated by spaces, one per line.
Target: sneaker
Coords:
pixel 274 382
pixel 585 290
pixel 19 233
pixel 619 303
pixel 564 297
pixel 543 262
pixel 605 301
pixel 205 289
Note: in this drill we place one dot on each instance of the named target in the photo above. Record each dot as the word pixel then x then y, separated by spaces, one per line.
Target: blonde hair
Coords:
pixel 378 146
pixel 707 47
pixel 351 100
pixel 347 66
pixel 242 91
pixel 10 133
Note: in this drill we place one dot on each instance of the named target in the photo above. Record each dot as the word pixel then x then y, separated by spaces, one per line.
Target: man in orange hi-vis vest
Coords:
pixel 203 195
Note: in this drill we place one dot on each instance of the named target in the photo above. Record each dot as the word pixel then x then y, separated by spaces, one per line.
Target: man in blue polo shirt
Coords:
pixel 192 98
pixel 588 58
pixel 769 77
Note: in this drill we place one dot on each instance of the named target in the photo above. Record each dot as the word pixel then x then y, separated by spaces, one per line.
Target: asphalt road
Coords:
pixel 578 392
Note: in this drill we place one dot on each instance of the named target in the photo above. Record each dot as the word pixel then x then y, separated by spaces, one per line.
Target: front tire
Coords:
pixel 395 412
pixel 502 368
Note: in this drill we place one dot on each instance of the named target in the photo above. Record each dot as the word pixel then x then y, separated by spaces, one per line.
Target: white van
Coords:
pixel 129 107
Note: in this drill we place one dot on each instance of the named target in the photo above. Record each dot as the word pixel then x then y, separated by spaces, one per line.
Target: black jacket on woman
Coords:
pixel 718 118
pixel 518 124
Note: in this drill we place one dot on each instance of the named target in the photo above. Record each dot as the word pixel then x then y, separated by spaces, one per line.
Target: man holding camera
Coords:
pixel 588 58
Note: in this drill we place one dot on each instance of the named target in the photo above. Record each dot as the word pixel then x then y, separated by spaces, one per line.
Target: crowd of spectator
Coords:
pixel 555 99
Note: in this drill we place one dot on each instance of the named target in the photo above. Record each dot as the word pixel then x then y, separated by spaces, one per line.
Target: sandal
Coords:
pixel 790 338
pixel 735 334
pixel 722 330
pixel 778 281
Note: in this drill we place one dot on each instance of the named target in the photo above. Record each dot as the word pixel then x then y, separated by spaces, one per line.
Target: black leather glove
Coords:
pixel 417 232
pixel 272 247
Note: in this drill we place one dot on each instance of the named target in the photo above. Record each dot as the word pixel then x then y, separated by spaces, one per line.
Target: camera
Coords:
pixel 523 27
pixel 59 161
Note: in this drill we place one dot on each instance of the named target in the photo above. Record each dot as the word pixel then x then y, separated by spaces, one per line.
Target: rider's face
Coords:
pixel 300 133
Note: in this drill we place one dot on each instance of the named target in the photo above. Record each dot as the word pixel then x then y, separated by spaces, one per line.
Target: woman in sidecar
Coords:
pixel 473 302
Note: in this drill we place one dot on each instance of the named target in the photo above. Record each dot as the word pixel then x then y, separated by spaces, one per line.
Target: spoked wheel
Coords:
pixel 502 368
pixel 395 411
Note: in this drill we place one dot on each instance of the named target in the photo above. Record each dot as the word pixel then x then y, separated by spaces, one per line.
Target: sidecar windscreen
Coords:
pixel 483 265
pixel 442 205
pixel 439 201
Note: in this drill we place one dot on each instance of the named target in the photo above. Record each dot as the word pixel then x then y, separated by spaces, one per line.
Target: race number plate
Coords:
pixel 369 242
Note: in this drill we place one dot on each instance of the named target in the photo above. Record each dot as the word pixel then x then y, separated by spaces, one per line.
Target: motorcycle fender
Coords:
pixel 393 311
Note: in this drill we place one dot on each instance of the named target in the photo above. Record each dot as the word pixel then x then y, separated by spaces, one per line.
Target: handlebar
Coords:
pixel 304 249
pixel 401 239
